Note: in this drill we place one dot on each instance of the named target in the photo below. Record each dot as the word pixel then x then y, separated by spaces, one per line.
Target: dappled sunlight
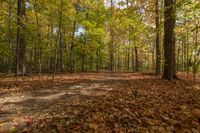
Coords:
pixel 99 66
pixel 29 97
pixel 51 96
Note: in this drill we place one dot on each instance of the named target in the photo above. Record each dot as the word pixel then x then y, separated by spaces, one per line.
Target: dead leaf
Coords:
pixel 196 112
pixel 61 129
pixel 93 126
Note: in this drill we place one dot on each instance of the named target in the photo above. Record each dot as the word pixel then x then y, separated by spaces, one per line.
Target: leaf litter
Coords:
pixel 99 102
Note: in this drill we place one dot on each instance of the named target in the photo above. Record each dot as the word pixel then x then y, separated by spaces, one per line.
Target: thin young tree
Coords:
pixel 112 39
pixel 196 62
pixel 61 39
pixel 158 53
pixel 9 36
pixel 38 37
pixel 57 40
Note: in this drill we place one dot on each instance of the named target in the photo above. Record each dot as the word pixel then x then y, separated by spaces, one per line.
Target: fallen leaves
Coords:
pixel 139 103
pixel 196 112
pixel 60 128
pixel 93 126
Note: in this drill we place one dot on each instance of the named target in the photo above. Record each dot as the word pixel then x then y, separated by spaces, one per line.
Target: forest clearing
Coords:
pixel 99 66
pixel 100 102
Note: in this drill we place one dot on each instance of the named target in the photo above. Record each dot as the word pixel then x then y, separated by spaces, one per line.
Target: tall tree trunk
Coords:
pixel 158 54
pixel 61 38
pixel 174 59
pixel 71 54
pixel 178 57
pixel 56 45
pixel 112 40
pixel 111 52
pixel 182 57
pixel 83 58
pixel 97 60
pixel 195 63
pixel 132 59
pixel 56 54
pixel 136 60
pixel 62 66
pixel 39 38
pixel 187 54
pixel 128 58
pixel 9 37
pixel 169 40
pixel 174 41
pixel 153 56
pixel 21 47
pixel 72 48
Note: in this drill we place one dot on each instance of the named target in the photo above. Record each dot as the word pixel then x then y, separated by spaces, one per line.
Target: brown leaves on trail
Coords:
pixel 107 102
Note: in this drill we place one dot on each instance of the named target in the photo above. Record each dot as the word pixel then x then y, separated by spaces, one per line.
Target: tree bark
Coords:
pixel 169 40
pixel 136 60
pixel 195 63
pixel 187 55
pixel 112 40
pixel 9 36
pixel 158 54
pixel 132 59
pixel 21 47
pixel 72 48
pixel 56 45
pixel 61 38
pixel 39 38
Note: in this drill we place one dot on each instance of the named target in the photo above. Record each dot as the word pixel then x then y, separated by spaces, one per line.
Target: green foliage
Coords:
pixel 89 28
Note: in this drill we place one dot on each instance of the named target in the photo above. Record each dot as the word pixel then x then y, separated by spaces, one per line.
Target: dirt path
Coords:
pixel 99 102
pixel 25 103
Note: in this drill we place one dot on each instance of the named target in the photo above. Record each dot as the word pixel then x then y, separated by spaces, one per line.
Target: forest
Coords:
pixel 99 66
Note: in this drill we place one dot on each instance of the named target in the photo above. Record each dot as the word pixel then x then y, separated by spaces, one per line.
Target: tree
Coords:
pixel 59 32
pixel 158 54
pixel 9 36
pixel 38 37
pixel 112 38
pixel 21 47
pixel 169 40
pixel 69 36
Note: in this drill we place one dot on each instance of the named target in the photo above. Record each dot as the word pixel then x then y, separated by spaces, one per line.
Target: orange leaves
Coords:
pixel 196 112
pixel 28 119
pixel 61 128
pixel 93 126
pixel 105 103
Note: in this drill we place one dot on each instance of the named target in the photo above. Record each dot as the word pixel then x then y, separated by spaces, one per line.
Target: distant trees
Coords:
pixel 84 35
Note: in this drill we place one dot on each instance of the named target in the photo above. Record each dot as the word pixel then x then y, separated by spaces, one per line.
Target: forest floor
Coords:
pixel 99 102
